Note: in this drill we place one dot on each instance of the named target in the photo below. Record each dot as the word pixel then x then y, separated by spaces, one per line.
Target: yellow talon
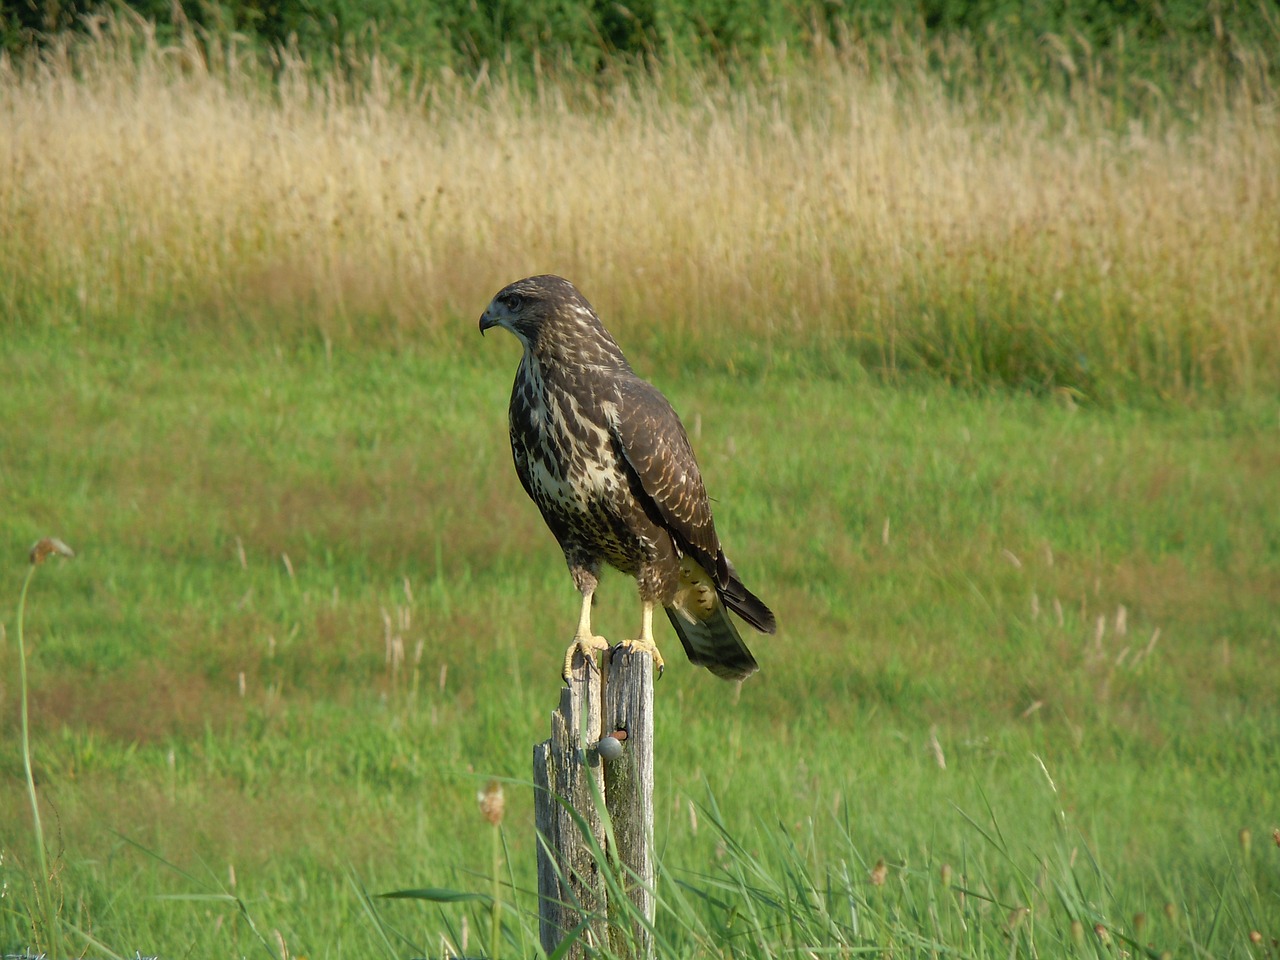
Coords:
pixel 583 639
pixel 645 641
pixel 641 645
pixel 588 645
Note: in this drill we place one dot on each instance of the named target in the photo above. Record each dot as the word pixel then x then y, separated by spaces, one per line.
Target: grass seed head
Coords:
pixel 42 550
pixel 492 803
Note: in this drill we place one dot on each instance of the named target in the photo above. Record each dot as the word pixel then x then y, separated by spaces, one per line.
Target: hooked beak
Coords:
pixel 487 320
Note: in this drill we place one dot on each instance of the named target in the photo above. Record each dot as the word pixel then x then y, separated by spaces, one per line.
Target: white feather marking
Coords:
pixel 599 473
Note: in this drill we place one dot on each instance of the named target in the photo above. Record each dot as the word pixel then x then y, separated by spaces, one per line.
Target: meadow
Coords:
pixel 986 387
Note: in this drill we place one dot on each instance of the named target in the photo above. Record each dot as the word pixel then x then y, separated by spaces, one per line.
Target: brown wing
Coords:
pixel 653 443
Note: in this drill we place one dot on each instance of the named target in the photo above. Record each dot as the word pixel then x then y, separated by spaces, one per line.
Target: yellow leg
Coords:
pixel 645 640
pixel 583 639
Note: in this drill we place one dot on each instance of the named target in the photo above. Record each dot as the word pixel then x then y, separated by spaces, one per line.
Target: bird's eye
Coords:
pixel 513 301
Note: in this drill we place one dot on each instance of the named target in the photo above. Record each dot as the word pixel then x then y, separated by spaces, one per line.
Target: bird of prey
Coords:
pixel 607 461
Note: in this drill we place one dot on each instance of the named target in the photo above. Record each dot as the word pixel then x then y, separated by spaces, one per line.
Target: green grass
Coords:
pixel 312 613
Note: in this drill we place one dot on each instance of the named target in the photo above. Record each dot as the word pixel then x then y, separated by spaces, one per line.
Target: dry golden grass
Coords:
pixel 1007 238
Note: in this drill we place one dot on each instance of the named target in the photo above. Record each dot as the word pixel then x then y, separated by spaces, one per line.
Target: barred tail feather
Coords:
pixel 714 643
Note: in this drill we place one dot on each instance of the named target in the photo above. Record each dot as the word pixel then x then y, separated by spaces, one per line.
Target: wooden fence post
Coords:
pixel 628 792
pixel 568 772
pixel 566 767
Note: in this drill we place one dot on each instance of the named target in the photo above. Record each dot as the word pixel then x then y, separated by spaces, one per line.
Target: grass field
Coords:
pixel 870 217
pixel 988 395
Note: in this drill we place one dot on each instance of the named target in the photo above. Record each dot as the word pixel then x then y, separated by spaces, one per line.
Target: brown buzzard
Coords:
pixel 606 459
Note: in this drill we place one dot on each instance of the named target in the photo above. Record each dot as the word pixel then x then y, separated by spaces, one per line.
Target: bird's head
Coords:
pixel 546 313
pixel 527 306
pixel 554 322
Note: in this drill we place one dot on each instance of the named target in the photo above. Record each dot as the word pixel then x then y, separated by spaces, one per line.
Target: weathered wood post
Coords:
pixel 571 778
pixel 566 768
pixel 628 792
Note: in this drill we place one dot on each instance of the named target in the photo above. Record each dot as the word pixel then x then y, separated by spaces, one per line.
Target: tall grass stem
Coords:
pixel 45 911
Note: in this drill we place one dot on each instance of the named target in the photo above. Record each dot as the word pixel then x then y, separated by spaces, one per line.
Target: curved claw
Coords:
pixel 645 646
pixel 588 645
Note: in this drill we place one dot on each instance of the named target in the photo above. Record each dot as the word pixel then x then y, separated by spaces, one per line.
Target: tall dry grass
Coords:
pixel 993 237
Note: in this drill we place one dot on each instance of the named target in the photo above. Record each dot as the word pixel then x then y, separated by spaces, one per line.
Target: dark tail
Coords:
pixel 714 642
pixel 700 614
pixel 748 606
